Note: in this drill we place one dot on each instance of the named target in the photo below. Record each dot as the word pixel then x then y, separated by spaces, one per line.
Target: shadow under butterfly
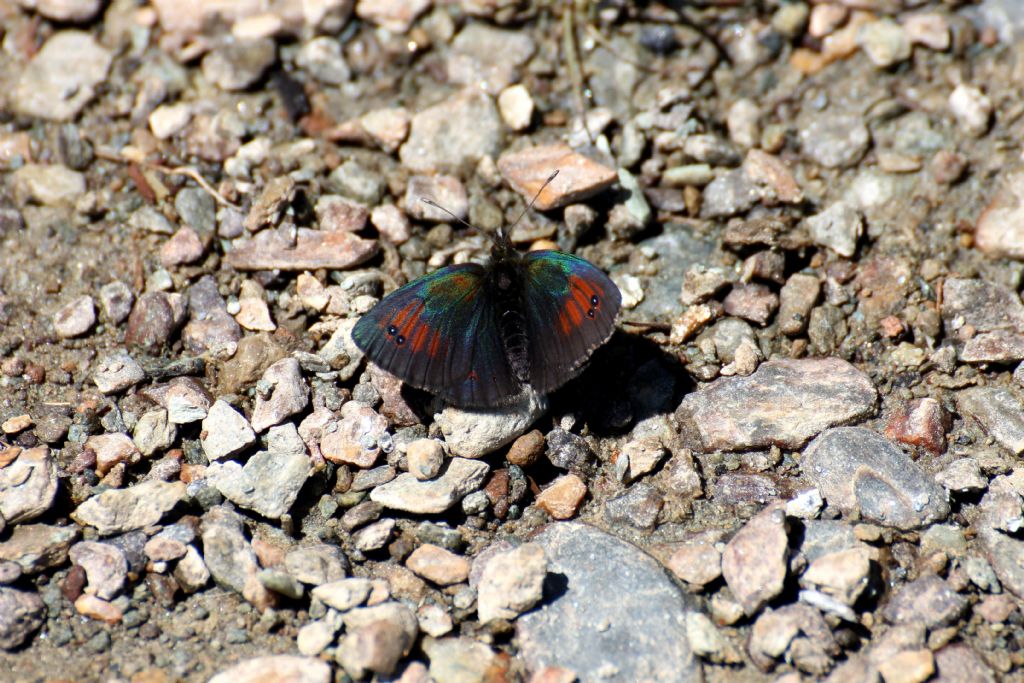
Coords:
pixel 481 336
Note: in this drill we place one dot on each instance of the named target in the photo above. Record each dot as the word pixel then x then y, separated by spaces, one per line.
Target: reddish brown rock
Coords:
pixel 920 423
pixel 753 302
pixel 526 449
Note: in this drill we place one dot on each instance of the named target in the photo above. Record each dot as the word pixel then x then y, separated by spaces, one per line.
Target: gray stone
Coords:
pixel 270 480
pixel 862 473
pixel 105 567
pixel 317 564
pixel 228 555
pixel 755 561
pixel 288 394
pixel 838 227
pixel 640 635
pixel 119 510
pixel 154 432
pixel 116 301
pixel 998 411
pixel 116 372
pixel 238 64
pixel 453 134
pixel 344 594
pixel 929 600
pixel 186 401
pixel 784 403
pixel 473 433
pixel 36 547
pixel 209 326
pixel 341 353
pixel 62 77
pixel 373 536
pixel 21 615
pixel 639 506
pixel 835 140
pixel 281 583
pixel 322 58
pixel 730 193
pixel 993 311
pixel 488 58
pixel 458 660
pixel 998 528
pixel 75 318
pixel 406 492
pixel 226 432
pixel 511 582
pixel 28 485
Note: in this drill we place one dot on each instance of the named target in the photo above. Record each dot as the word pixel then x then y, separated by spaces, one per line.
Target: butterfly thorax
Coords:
pixel 504 279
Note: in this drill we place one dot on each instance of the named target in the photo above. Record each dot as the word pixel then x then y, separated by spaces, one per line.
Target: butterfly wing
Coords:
pixel 570 308
pixel 440 333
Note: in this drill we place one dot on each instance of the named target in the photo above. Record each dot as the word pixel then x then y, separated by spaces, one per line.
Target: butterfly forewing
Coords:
pixel 570 308
pixel 440 333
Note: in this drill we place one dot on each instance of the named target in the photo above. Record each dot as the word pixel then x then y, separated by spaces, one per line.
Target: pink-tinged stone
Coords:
pixel 1000 227
pixel 754 563
pixel 438 565
pixel 310 250
pixel 578 176
pixel 183 247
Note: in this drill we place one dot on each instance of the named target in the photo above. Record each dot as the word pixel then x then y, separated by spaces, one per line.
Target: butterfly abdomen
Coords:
pixel 506 284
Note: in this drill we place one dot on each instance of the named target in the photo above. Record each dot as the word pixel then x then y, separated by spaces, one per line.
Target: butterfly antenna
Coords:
pixel 431 202
pixel 534 200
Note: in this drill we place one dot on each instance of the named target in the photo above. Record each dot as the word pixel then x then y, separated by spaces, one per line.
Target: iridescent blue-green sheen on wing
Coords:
pixel 570 307
pixel 441 333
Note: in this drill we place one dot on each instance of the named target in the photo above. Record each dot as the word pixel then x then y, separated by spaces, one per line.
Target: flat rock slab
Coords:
pixel 994 311
pixel 310 250
pixel 578 176
pixel 119 510
pixel 610 611
pixel 35 547
pixel 784 403
pixel 268 483
pixel 1000 515
pixel 998 411
pixel 28 485
pixel 406 492
pixel 861 472
pixel 62 77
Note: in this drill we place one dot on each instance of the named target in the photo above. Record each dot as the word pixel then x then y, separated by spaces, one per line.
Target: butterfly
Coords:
pixel 476 335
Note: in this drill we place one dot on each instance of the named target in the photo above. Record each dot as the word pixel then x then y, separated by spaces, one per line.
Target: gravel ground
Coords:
pixel 796 459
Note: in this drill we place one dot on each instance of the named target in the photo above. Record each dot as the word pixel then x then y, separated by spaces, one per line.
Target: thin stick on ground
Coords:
pixel 187 171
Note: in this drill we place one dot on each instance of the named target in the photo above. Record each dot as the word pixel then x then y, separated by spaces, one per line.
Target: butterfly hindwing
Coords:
pixel 570 308
pixel 440 333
